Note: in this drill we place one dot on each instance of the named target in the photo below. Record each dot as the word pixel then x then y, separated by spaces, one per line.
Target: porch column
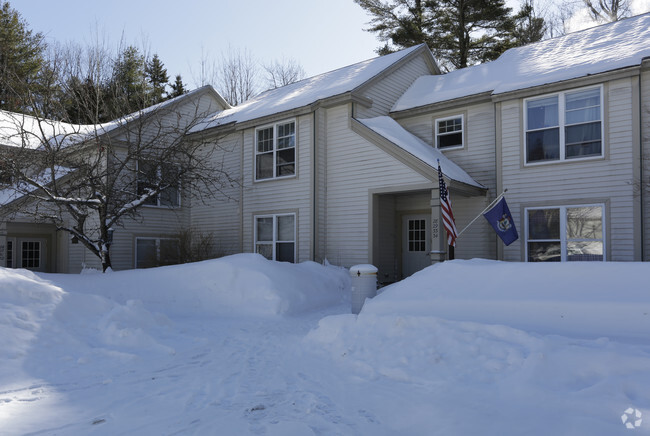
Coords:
pixel 438 242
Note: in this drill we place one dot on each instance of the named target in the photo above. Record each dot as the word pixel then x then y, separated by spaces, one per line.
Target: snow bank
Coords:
pixel 591 300
pixel 238 285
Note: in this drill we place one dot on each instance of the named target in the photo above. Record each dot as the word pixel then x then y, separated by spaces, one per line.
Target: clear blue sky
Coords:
pixel 320 34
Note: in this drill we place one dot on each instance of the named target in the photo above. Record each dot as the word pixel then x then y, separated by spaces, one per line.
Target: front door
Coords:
pixel 416 243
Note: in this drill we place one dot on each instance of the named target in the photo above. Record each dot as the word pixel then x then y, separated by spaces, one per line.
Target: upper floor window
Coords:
pixel 565 233
pixel 564 126
pixel 150 175
pixel 275 151
pixel 449 132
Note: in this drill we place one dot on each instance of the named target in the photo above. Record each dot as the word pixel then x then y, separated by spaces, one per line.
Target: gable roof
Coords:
pixel 596 50
pixel 308 91
pixel 391 130
pixel 20 130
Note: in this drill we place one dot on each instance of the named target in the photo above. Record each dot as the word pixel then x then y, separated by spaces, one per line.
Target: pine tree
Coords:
pixel 157 75
pixel 129 89
pixel 178 88
pixel 458 32
pixel 21 60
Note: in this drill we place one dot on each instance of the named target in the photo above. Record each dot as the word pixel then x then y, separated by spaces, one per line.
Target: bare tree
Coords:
pixel 607 10
pixel 237 74
pixel 87 179
pixel 283 72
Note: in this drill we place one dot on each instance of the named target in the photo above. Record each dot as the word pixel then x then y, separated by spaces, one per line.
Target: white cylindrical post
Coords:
pixel 364 285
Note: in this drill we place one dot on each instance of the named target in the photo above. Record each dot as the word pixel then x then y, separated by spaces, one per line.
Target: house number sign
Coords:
pixel 434 228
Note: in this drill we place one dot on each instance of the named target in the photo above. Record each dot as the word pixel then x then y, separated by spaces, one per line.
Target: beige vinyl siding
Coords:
pixel 287 195
pixel 479 240
pixel 386 91
pixel 645 138
pixel 320 203
pixel 354 168
pixel 607 180
pixel 221 216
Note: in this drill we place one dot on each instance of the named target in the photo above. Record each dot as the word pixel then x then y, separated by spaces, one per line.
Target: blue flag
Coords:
pixel 500 219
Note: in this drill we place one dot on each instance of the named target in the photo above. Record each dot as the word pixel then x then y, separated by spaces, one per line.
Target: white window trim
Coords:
pixel 135 260
pixel 275 233
pixel 563 222
pixel 275 150
pixel 462 132
pixel 158 204
pixel 562 125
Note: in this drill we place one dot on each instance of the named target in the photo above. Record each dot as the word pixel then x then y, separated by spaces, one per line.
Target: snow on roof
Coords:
pixel 11 193
pixel 20 130
pixel 395 133
pixel 603 48
pixel 306 91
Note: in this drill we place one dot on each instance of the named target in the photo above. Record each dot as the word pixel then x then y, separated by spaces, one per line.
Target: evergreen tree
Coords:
pixel 459 32
pixel 529 27
pixel 129 89
pixel 21 61
pixel 178 88
pixel 157 75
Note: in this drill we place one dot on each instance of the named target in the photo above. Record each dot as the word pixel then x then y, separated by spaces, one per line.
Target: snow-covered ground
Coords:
pixel 241 345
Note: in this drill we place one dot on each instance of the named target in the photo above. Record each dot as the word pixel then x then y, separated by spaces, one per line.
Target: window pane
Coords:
pixel 544 252
pixel 170 252
pixel 284 252
pixel 31 254
pixel 265 229
pixel 265 139
pixel 286 162
pixel 286 227
pixel 169 197
pixel 543 145
pixel 544 224
pixel 447 126
pixel 583 140
pixel 584 251
pixel 542 113
pixel 146 253
pixel 583 115
pixel 265 250
pixel 583 99
pixel 585 223
pixel 286 135
pixel 264 166
pixel 450 140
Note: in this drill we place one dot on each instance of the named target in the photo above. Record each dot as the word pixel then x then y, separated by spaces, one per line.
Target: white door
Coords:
pixel 416 243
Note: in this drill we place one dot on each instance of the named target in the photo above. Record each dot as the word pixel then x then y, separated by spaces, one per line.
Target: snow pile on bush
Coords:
pixel 238 285
pixel 583 299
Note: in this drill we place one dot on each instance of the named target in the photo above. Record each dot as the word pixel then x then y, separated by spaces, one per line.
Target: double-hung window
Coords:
pixel 564 126
pixel 275 151
pixel 152 252
pixel 565 233
pixel 275 237
pixel 150 175
pixel 449 132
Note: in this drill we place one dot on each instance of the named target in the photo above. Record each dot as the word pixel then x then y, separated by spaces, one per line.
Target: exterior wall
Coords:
pixel 607 180
pixel 357 169
pixel 287 195
pixel 385 92
pixel 221 217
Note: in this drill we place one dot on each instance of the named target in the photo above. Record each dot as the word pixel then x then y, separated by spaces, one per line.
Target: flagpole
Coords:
pixel 484 210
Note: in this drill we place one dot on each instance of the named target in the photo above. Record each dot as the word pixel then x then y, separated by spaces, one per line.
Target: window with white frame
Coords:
pixel 275 151
pixel 565 233
pixel 563 126
pixel 149 177
pixel 449 132
pixel 275 237
pixel 152 252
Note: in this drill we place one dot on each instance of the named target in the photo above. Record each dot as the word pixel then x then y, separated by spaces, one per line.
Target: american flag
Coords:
pixel 447 214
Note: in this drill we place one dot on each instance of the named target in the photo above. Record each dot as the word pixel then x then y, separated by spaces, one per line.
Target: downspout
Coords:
pixel 314 194
pixel 641 161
